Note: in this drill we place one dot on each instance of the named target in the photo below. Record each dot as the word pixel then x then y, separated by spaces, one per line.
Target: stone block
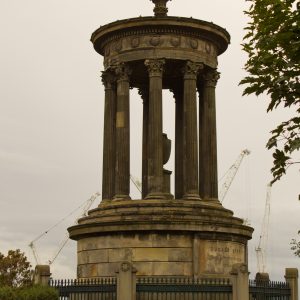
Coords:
pixel 150 254
pixel 170 269
pixel 93 256
pixel 180 254
pixel 120 254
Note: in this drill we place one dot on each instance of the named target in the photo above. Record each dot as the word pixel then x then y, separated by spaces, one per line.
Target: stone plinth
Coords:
pixel 160 237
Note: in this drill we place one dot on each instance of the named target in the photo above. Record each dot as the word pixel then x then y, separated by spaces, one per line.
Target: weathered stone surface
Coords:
pixel 159 235
pixel 169 237
pixel 218 257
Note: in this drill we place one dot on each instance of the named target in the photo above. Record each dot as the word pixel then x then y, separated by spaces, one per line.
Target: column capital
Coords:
pixel 191 69
pixel 155 67
pixel 122 71
pixel 108 79
pixel 211 78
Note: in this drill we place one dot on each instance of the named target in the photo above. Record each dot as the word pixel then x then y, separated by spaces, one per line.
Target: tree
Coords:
pixel 296 246
pixel 272 42
pixel 15 270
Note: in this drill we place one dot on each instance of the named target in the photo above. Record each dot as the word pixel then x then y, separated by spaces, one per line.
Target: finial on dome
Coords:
pixel 160 9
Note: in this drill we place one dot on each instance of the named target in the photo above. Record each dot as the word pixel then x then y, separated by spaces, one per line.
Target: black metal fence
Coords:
pixel 86 289
pixel 153 288
pixel 168 288
pixel 269 290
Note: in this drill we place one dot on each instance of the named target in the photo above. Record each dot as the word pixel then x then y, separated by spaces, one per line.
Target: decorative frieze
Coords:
pixel 154 41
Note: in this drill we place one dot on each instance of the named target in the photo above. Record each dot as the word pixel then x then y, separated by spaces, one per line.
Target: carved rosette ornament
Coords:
pixel 125 266
pixel 155 66
pixel 155 41
pixel 194 43
pixel 211 78
pixel 108 79
pixel 135 42
pixel 123 71
pixel 175 41
pixel 191 69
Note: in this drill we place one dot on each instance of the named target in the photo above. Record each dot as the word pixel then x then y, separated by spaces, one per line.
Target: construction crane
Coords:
pixel 261 249
pixel 136 183
pixel 231 174
pixel 85 207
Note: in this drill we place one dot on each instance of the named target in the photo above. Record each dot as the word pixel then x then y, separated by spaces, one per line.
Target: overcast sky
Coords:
pixel 51 120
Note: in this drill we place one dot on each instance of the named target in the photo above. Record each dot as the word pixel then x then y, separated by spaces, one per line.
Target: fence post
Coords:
pixel 240 282
pixel 291 277
pixel 126 281
pixel 42 274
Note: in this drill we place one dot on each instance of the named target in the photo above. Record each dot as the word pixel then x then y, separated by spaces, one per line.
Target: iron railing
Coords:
pixel 269 290
pixel 183 288
pixel 86 289
pixel 168 288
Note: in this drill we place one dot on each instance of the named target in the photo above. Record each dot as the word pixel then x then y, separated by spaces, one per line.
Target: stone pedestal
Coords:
pixel 160 238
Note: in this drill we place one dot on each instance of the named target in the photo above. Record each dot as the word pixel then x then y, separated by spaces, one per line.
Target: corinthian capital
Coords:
pixel 108 79
pixel 211 78
pixel 191 69
pixel 155 66
pixel 122 71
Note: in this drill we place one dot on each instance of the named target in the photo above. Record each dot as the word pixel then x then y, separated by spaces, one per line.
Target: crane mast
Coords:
pixel 263 238
pixel 231 174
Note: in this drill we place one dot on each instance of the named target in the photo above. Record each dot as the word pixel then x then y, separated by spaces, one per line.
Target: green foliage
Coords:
pixel 38 293
pixel 28 293
pixel 8 293
pixel 296 246
pixel 272 42
pixel 15 270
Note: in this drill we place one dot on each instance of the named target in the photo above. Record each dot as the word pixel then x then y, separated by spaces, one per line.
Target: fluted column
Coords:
pixel 190 140
pixel 109 149
pixel 208 169
pixel 155 142
pixel 122 171
pixel 178 95
pixel 144 92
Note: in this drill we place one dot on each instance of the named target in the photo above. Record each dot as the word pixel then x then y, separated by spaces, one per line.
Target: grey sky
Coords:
pixel 51 118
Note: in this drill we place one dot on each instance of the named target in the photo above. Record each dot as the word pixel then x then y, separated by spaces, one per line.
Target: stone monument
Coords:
pixel 190 233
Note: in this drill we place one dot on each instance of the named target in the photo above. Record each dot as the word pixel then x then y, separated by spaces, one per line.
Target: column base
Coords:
pixel 104 201
pixel 156 196
pixel 191 197
pixel 121 197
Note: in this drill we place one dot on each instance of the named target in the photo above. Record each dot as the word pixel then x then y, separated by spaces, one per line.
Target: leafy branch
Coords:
pixel 272 42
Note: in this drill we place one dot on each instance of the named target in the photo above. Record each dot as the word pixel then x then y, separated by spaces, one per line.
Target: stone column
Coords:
pixel 291 277
pixel 190 140
pixel 178 95
pixel 122 169
pixel 155 142
pixel 42 275
pixel 109 149
pixel 126 281
pixel 144 92
pixel 240 282
pixel 208 169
